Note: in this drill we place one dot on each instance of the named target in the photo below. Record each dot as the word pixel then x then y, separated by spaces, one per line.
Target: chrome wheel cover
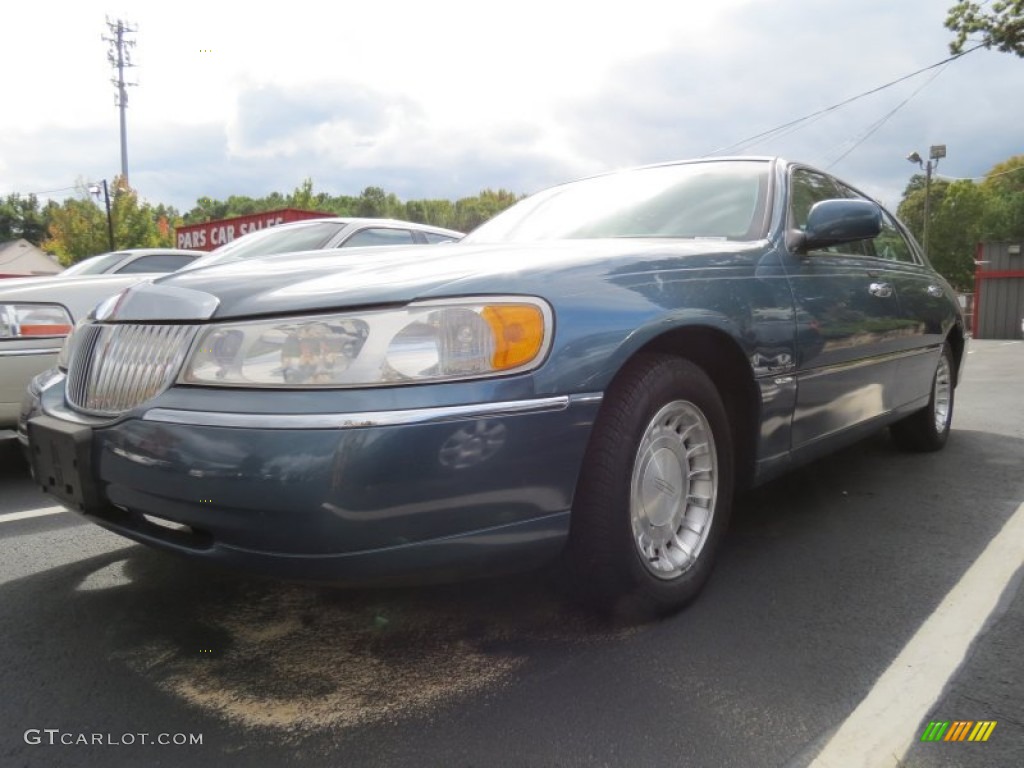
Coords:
pixel 673 489
pixel 941 395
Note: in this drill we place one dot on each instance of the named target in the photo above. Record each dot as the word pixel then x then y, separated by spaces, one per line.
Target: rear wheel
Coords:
pixel 928 429
pixel 656 490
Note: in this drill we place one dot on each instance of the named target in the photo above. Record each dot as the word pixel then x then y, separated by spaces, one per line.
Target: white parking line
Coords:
pixel 994 346
pixel 31 513
pixel 884 726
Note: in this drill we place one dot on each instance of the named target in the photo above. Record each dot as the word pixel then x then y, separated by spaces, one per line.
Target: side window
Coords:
pixel 379 236
pixel 159 262
pixel 860 247
pixel 435 237
pixel 891 244
pixel 806 189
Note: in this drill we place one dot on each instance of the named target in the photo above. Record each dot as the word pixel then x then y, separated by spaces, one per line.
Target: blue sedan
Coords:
pixel 587 377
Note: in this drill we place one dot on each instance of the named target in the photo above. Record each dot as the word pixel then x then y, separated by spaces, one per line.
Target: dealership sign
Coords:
pixel 213 234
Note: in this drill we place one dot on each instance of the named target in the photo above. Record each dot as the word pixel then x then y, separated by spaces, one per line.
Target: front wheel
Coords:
pixel 655 493
pixel 928 429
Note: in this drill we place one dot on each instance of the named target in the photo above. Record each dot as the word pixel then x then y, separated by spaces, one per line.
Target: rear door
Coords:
pixel 926 304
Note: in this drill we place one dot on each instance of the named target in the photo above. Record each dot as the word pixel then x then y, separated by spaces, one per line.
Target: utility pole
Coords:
pixel 119 57
pixel 95 189
pixel 935 153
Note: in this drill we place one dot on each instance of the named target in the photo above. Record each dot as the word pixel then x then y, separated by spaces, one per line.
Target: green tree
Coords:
pixel 373 202
pixel 957 226
pixel 964 213
pixel 303 197
pixel 911 208
pixel 1000 25
pixel 78 226
pixel 78 229
pixel 471 212
pixel 439 213
pixel 957 209
pixel 205 209
pixel 136 224
pixel 1004 215
pixel 21 217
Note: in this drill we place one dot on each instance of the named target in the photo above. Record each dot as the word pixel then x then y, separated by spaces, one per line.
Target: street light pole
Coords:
pixel 927 203
pixel 935 153
pixel 94 189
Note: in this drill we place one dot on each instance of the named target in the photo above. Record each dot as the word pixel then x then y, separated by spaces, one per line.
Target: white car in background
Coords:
pixel 134 261
pixel 36 313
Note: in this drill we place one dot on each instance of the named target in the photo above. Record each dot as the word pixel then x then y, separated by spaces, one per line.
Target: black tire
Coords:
pixel 928 429
pixel 603 557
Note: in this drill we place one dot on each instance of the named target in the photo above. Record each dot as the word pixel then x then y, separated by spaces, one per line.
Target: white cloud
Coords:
pixel 444 98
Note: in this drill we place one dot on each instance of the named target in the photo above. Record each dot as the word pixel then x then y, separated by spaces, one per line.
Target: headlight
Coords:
pixel 424 342
pixel 28 321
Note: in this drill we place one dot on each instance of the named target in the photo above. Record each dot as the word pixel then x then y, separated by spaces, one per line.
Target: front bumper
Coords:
pixel 368 497
pixel 17 367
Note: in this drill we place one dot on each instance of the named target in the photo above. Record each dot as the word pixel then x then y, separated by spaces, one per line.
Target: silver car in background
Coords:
pixel 147 261
pixel 37 313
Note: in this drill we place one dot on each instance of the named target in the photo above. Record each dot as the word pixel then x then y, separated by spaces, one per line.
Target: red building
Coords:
pixel 212 234
pixel 999 291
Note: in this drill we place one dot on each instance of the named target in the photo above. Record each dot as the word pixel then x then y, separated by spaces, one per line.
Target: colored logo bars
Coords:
pixel 958 730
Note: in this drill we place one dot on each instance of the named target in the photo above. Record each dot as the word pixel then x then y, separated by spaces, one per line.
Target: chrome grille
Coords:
pixel 113 368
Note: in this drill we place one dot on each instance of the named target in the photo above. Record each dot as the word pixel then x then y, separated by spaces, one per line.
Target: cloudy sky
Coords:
pixel 443 98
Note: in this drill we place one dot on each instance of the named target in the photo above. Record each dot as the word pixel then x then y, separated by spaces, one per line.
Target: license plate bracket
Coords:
pixel 61 456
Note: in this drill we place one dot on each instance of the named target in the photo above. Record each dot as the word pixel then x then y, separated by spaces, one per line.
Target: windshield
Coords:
pixel 95 265
pixel 283 239
pixel 719 200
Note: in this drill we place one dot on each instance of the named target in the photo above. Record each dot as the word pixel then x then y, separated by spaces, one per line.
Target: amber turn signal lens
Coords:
pixel 34 320
pixel 518 333
pixel 54 329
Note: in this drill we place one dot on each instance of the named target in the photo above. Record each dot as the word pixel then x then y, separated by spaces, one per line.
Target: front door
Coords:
pixel 846 315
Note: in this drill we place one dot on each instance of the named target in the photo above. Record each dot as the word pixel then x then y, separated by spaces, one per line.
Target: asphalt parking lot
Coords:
pixel 824 579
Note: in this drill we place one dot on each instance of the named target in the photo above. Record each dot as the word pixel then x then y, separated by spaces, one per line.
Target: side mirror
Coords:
pixel 831 222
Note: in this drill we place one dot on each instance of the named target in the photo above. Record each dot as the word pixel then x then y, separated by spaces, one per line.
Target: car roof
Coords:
pixel 125 253
pixel 359 220
pixel 150 252
pixel 669 163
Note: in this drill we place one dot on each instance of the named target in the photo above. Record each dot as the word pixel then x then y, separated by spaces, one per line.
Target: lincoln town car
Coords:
pixel 584 380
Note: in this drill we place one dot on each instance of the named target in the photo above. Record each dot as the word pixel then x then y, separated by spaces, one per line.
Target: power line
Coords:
pixel 981 178
pixel 820 112
pixel 885 118
pixel 46 191
pixel 84 184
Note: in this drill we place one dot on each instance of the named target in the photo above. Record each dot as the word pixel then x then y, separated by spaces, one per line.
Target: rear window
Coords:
pixel 285 239
pixel 96 265
pixel 158 262
pixel 378 236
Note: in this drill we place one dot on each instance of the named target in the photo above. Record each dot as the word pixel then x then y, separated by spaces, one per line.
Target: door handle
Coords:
pixel 935 291
pixel 881 290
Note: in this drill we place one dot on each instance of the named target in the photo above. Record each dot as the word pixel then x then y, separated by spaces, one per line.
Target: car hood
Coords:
pixel 20 280
pixel 324 280
pixel 78 294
